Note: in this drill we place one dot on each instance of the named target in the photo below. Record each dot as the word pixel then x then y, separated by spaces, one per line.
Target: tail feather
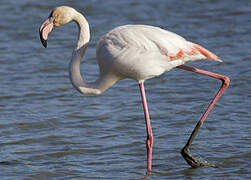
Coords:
pixel 206 53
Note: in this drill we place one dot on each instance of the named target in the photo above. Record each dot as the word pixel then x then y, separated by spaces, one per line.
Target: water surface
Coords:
pixel 50 131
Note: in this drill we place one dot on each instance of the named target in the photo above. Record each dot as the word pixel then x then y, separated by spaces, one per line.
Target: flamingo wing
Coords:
pixel 146 51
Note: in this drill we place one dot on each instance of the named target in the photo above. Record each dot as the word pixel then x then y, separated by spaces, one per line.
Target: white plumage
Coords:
pixel 141 52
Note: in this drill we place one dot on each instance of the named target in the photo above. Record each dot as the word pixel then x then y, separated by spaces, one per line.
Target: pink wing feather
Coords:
pixel 205 52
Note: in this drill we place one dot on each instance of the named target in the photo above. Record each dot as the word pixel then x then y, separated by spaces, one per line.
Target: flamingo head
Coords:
pixel 58 17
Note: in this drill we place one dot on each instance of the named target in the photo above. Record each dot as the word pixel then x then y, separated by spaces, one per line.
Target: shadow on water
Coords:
pixel 9 163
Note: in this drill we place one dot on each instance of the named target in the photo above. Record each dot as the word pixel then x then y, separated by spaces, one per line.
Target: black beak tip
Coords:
pixel 44 42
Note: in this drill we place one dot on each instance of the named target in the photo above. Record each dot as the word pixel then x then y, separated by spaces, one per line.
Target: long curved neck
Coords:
pixel 104 81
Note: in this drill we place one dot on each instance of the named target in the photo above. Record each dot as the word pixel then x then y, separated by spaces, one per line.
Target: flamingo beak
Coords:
pixel 45 29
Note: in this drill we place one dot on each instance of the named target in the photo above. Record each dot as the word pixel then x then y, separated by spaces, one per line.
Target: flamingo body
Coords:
pixel 141 52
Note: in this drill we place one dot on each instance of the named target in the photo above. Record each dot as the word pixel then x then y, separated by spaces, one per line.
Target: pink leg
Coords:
pixel 149 140
pixel 225 82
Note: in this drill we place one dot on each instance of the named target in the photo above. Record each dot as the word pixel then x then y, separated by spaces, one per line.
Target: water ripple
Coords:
pixel 49 131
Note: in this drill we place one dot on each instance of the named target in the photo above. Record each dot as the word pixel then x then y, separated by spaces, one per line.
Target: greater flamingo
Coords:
pixel 138 52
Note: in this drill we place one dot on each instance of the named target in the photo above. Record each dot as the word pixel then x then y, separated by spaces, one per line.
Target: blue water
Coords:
pixel 50 131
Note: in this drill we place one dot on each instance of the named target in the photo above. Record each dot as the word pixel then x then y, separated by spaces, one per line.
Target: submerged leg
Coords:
pixel 149 140
pixel 185 151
